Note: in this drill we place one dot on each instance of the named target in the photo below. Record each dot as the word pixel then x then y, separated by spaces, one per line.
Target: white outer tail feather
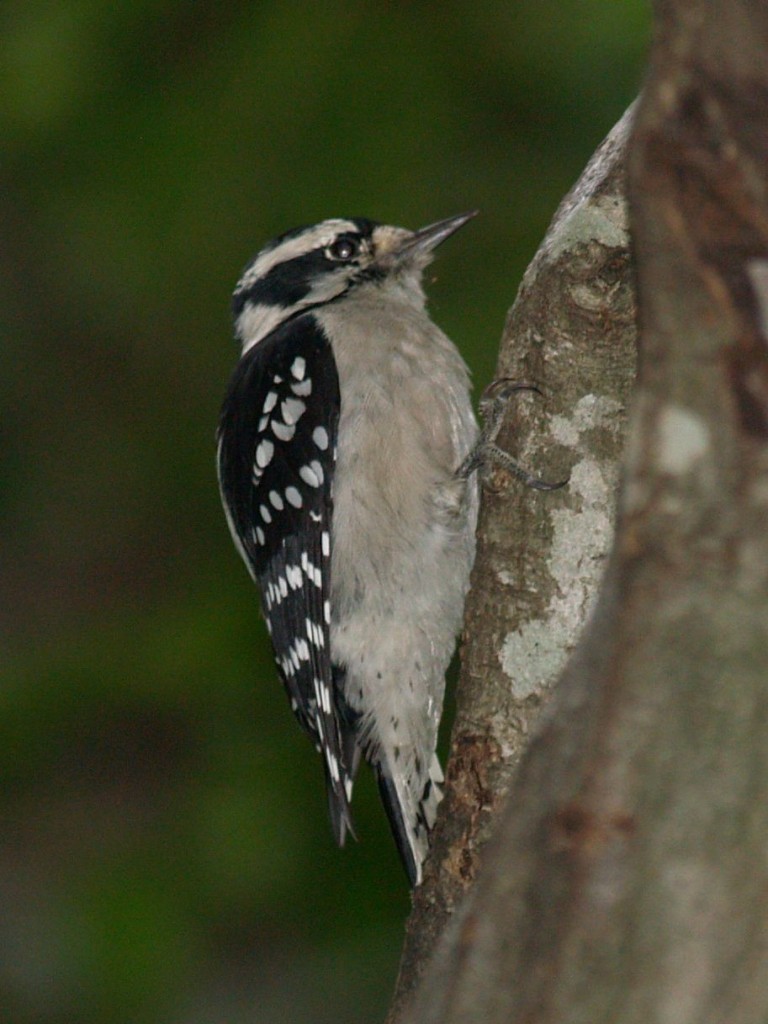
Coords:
pixel 411 818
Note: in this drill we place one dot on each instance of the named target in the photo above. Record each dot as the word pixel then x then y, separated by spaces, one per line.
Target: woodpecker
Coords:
pixel 340 440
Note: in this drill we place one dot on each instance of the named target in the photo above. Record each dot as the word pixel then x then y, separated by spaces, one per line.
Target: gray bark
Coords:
pixel 540 555
pixel 626 878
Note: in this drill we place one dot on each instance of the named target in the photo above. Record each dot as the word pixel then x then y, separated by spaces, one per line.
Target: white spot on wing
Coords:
pixel 292 409
pixel 293 497
pixel 299 367
pixel 323 696
pixel 315 634
pixel 264 453
pixel 293 573
pixel 309 476
pixel 283 431
pixel 320 437
pixel 311 571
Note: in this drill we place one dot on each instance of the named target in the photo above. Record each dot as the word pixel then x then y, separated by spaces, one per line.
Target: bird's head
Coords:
pixel 312 266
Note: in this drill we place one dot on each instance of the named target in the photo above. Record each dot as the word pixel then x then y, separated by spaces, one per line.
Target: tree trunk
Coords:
pixel 540 556
pixel 627 877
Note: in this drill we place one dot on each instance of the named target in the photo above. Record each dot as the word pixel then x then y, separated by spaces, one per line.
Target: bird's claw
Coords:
pixel 486 453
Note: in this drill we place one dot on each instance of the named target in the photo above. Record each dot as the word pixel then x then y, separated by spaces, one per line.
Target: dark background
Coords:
pixel 164 852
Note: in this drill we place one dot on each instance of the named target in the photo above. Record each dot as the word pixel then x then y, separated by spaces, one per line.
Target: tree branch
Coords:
pixel 540 557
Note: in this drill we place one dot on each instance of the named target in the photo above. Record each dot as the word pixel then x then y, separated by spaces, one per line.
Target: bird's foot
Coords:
pixel 486 454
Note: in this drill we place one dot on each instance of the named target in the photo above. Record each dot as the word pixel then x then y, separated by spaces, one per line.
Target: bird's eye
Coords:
pixel 343 249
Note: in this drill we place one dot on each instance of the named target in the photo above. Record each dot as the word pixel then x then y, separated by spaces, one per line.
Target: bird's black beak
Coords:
pixel 428 238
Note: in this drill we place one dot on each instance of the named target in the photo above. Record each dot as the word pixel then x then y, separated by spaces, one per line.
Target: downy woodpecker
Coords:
pixel 344 425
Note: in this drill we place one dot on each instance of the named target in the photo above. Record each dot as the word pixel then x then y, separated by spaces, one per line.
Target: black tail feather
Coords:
pixel 341 819
pixel 399 829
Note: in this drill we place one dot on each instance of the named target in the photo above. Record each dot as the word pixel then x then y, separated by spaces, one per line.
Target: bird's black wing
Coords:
pixel 276 455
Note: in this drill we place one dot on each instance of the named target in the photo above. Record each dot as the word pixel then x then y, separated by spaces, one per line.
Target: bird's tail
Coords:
pixel 410 801
pixel 341 819
pixel 347 719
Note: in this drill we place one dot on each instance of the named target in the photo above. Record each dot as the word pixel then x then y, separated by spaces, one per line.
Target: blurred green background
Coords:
pixel 164 850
